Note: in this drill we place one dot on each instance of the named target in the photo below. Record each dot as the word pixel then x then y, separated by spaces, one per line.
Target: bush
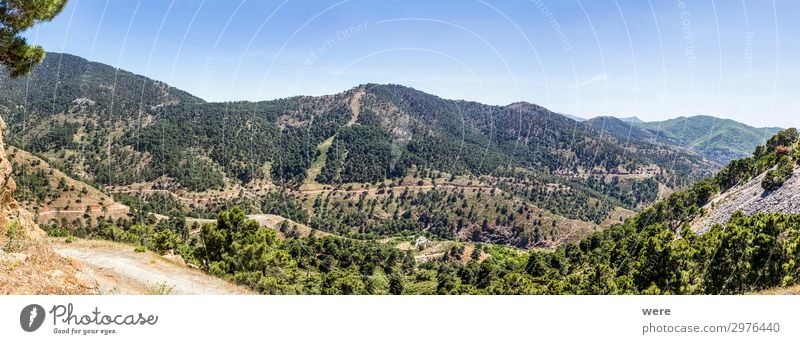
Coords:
pixel 786 137
pixel 776 177
pixel 165 240
pixel 14 236
pixel 56 231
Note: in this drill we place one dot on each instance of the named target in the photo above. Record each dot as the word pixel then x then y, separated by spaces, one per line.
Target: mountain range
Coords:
pixel 127 134
pixel 721 140
pixel 385 189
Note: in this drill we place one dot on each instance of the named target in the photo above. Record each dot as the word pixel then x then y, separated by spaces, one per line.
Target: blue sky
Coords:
pixel 652 59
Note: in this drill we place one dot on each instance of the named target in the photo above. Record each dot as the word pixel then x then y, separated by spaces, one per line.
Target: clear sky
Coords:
pixel 653 59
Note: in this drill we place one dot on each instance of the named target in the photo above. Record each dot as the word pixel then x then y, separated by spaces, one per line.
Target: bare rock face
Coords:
pixel 28 265
pixel 750 199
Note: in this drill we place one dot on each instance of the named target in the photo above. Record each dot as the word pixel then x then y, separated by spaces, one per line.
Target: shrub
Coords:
pixel 776 177
pixel 165 240
pixel 786 137
pixel 162 288
pixel 14 236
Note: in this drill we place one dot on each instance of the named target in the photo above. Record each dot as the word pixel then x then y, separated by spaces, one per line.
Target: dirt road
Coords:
pixel 117 269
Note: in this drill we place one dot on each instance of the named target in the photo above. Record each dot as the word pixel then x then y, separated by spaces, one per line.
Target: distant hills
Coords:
pixel 574 118
pixel 622 130
pixel 721 140
pixel 632 120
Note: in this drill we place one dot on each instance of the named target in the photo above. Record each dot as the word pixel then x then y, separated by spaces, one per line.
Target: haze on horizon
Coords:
pixel 654 60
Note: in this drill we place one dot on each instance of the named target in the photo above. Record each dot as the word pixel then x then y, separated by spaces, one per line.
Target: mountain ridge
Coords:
pixel 137 136
pixel 719 139
pixel 398 167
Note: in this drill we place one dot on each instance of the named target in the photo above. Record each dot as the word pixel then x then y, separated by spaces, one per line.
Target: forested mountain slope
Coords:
pixel 655 252
pixel 56 198
pixel 132 135
pixel 718 139
pixel 98 118
pixel 721 139
pixel 625 130
pixel 392 164
pixel 27 264
pixel 658 252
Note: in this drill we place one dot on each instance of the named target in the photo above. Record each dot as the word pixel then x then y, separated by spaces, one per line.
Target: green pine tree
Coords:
pixel 16 16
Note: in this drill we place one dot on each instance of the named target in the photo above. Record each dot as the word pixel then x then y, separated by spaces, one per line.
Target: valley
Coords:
pixel 383 189
pixel 379 141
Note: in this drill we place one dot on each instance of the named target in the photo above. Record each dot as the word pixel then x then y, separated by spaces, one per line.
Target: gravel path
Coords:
pixel 117 269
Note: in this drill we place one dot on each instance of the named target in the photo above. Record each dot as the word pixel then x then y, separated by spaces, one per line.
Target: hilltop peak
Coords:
pixel 632 120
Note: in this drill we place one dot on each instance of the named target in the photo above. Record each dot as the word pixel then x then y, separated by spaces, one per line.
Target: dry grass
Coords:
pixel 34 269
pixel 467 256
pixel 162 288
pixel 617 216
pixel 793 290
pixel 316 168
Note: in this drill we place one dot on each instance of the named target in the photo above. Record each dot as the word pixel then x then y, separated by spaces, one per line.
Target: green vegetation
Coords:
pixel 624 130
pixel 777 151
pixel 589 199
pixel 775 178
pixel 722 140
pixel 360 154
pixel 251 255
pixel 14 236
pixel 652 253
pixel 412 164
pixel 146 234
pixel 15 17
pixel 151 130
pixel 283 204
pixel 156 203
pixel 32 186
pixel 748 254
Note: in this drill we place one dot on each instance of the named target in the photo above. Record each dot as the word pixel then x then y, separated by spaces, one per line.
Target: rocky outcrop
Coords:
pixel 11 213
pixel 750 199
